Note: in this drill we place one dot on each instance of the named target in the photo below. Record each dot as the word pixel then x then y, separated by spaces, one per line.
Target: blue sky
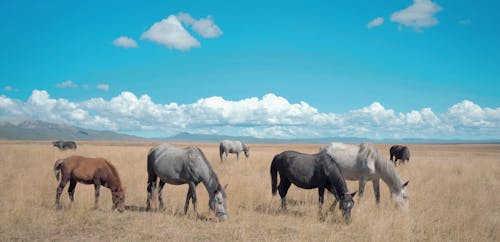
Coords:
pixel 425 54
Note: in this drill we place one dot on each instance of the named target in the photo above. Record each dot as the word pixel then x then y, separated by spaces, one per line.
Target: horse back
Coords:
pixel 85 169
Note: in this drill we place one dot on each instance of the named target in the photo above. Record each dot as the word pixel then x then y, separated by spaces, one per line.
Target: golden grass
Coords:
pixel 454 196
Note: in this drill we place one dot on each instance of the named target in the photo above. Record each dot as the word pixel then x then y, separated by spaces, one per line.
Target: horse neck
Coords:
pixel 388 174
pixel 338 182
pixel 211 183
pixel 114 182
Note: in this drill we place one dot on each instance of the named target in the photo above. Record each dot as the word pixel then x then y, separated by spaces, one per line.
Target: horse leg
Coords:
pixel 160 196
pixel 362 182
pixel 59 190
pixel 71 190
pixel 336 198
pixel 283 189
pixel 151 189
pixel 188 196
pixel 376 190
pixel 321 193
pixel 237 155
pixel 97 186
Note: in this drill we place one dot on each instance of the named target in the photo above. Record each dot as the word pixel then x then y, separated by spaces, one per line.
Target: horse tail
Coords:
pixel 57 169
pixel 151 173
pixel 221 151
pixel 274 176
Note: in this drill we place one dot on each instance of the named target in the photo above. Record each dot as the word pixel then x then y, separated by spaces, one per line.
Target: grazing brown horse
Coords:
pixel 97 171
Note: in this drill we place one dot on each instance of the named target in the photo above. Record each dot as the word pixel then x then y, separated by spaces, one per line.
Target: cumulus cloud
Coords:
pixel 67 84
pixel 375 22
pixel 103 86
pixel 204 26
pixel 170 33
pixel 9 89
pixel 465 21
pixel 270 116
pixel 418 15
pixel 125 42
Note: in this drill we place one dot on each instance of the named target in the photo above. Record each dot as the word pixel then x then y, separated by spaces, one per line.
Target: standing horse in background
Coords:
pixel 308 172
pixel 64 145
pixel 232 146
pixel 177 166
pixel 97 171
pixel 364 163
pixel 399 152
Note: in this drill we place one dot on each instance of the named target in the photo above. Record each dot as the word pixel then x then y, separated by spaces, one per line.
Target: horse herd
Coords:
pixel 166 163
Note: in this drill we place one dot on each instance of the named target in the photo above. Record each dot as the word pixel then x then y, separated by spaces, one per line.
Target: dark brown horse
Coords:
pixel 97 171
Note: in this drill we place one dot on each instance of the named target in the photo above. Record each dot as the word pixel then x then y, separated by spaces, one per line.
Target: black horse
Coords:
pixel 64 145
pixel 399 152
pixel 311 171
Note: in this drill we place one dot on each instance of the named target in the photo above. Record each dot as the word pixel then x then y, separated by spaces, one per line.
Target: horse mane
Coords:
pixel 115 174
pixel 204 158
pixel 385 168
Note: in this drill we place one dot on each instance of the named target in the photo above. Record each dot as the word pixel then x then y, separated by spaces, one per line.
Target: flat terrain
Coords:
pixel 454 196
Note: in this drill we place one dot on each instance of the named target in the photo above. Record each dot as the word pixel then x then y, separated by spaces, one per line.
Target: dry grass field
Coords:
pixel 454 196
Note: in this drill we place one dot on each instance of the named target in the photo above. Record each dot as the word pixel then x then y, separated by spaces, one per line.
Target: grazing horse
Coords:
pixel 97 171
pixel 232 146
pixel 399 152
pixel 308 172
pixel 64 145
pixel 363 162
pixel 176 166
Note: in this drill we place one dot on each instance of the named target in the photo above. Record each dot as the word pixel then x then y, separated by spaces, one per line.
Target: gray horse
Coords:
pixel 64 145
pixel 363 162
pixel 232 146
pixel 177 166
pixel 399 152
pixel 308 172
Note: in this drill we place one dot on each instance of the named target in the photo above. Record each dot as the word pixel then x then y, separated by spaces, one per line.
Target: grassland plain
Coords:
pixel 454 196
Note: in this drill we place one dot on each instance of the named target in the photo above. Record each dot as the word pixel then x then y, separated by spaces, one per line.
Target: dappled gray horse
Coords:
pixel 177 166
pixel 399 152
pixel 64 145
pixel 363 162
pixel 232 146
pixel 308 172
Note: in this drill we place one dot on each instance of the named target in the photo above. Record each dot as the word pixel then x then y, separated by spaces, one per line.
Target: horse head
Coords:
pixel 246 150
pixel 402 198
pixel 118 197
pixel 218 204
pixel 346 204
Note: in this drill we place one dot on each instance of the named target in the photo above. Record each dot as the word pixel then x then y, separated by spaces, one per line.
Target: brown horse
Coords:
pixel 97 171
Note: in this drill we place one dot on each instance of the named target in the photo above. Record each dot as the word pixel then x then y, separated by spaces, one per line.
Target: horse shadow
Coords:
pixel 174 212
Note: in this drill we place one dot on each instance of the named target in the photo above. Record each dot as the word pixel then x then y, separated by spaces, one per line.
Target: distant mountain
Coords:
pixel 28 129
pixel 211 138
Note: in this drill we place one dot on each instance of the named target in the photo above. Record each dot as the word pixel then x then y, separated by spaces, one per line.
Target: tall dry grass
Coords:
pixel 454 196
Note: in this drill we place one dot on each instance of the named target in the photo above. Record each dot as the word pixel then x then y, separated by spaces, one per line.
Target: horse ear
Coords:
pixel 405 184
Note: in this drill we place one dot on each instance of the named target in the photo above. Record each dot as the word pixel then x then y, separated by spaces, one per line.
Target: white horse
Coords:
pixel 232 146
pixel 363 162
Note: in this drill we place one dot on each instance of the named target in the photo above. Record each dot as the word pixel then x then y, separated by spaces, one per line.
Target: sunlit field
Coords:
pixel 454 196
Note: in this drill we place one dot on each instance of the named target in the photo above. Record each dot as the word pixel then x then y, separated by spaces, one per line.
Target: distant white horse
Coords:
pixel 363 162
pixel 232 146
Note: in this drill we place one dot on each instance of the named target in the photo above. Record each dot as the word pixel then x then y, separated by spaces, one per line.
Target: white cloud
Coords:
pixel 67 84
pixel 375 22
pixel 103 86
pixel 419 15
pixel 10 89
pixel 465 22
pixel 271 116
pixel 170 33
pixel 125 42
pixel 204 26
